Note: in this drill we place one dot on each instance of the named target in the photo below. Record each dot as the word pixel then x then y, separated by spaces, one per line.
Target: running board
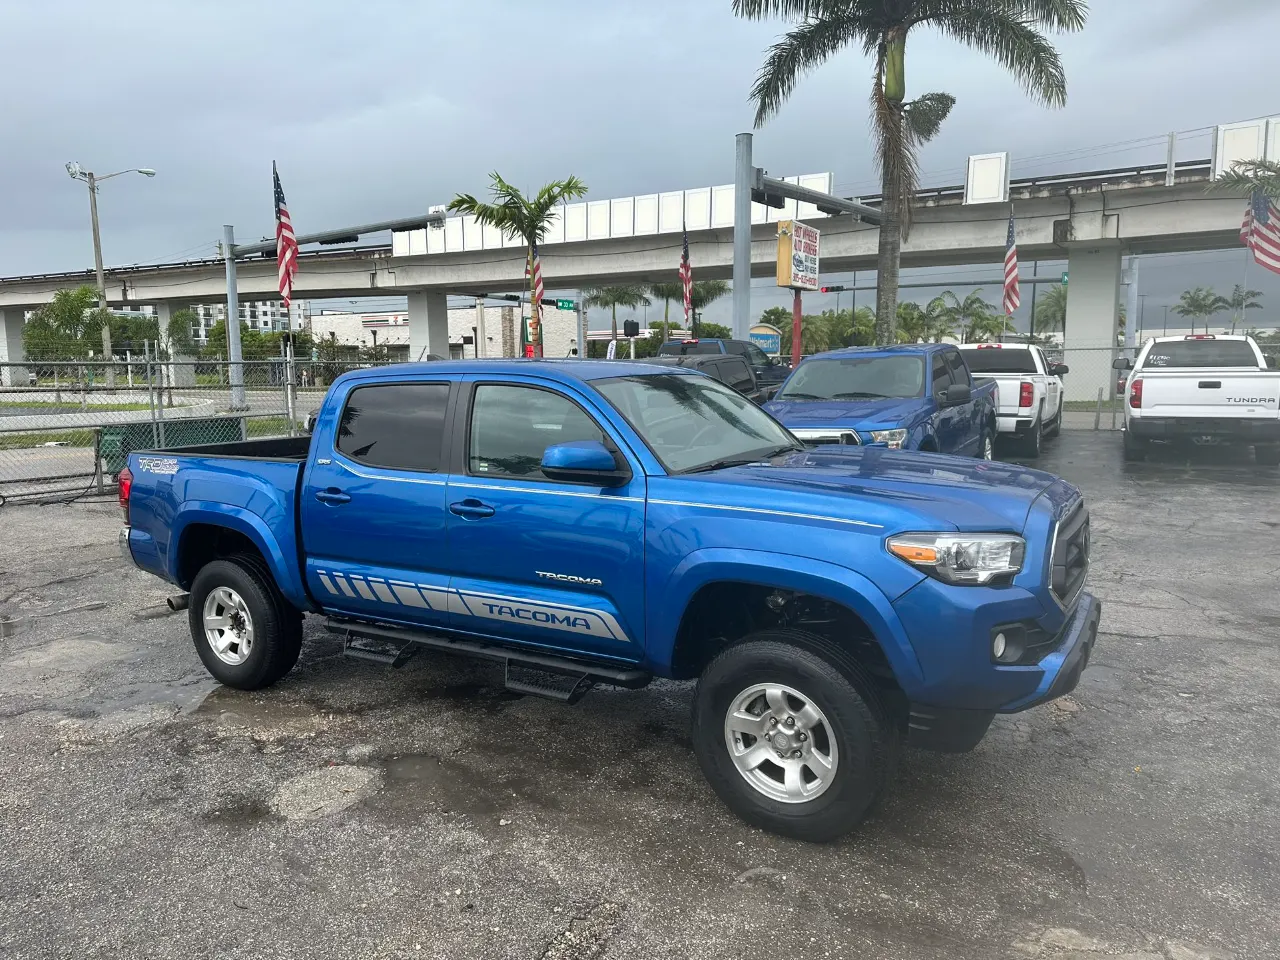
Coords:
pixel 531 667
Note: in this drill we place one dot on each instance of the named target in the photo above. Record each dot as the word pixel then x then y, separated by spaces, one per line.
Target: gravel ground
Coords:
pixel 354 812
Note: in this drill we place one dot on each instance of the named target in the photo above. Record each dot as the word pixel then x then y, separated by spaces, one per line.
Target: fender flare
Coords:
pixel 288 579
pixel 783 571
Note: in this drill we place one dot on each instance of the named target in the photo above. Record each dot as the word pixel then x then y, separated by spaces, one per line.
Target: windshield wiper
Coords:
pixel 796 395
pixel 744 460
pixel 859 394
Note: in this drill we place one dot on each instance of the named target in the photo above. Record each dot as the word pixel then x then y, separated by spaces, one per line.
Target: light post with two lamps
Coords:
pixel 78 173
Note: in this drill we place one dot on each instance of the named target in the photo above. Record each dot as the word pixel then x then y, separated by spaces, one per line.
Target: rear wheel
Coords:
pixel 1134 449
pixel 1055 426
pixel 1033 442
pixel 1267 454
pixel 792 736
pixel 245 632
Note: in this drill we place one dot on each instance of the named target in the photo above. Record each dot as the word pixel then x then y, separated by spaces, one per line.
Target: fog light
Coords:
pixel 998 645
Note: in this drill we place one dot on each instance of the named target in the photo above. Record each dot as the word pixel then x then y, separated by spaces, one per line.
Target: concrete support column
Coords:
pixel 1093 318
pixel 11 321
pixel 428 325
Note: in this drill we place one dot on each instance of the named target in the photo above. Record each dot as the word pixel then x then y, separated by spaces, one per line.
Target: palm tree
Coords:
pixel 1051 312
pixel 938 321
pixel 973 315
pixel 1007 30
pixel 1200 303
pixel 703 294
pixel 666 292
pixel 627 295
pixel 526 217
pixel 1249 175
pixel 1240 301
pixel 912 326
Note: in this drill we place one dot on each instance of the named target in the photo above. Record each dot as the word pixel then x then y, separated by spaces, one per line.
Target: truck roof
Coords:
pixel 566 370
pixel 901 348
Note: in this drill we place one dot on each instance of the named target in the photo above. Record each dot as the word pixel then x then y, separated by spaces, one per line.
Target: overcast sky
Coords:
pixel 379 109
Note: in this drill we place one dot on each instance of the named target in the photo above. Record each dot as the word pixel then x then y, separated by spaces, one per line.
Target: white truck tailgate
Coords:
pixel 1210 393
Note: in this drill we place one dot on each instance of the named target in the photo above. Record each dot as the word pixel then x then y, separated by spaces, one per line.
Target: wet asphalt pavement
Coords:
pixel 354 812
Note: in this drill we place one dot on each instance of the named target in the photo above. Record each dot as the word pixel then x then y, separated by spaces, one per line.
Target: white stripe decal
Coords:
pixel 328 584
pixel 438 599
pixel 770 513
pixel 594 495
pixel 343 584
pixel 380 588
pixel 362 588
pixel 408 594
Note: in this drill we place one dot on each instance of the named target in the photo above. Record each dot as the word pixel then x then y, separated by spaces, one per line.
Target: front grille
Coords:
pixel 828 437
pixel 1070 555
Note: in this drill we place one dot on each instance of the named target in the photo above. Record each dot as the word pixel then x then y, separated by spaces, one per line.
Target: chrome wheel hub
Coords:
pixel 781 743
pixel 228 627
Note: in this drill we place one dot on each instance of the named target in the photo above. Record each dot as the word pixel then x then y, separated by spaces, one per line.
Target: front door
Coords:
pixel 539 561
pixel 374 510
pixel 945 417
pixel 968 422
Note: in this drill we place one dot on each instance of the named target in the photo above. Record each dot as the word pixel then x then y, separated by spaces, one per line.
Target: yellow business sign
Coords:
pixel 797 255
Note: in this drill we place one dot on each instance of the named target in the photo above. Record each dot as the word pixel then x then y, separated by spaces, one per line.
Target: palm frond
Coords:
pixel 996 29
pixel 792 9
pixel 924 115
pixel 807 46
pixel 1249 175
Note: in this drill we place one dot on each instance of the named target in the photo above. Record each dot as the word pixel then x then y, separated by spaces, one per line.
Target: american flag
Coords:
pixel 1012 293
pixel 1260 231
pixel 534 265
pixel 286 243
pixel 686 277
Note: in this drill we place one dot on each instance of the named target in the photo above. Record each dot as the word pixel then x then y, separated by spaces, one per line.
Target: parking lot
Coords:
pixel 354 812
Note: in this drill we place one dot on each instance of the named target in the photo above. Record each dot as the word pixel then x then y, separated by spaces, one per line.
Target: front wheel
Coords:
pixel 792 736
pixel 245 632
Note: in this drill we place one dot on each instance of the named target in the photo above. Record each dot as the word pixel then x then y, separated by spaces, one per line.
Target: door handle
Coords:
pixel 470 509
pixel 333 496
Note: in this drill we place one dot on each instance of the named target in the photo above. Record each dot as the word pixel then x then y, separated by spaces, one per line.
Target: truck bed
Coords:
pixel 272 448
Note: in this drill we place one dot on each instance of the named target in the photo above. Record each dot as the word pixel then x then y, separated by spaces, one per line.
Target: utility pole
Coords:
pixel 742 175
pixel 235 371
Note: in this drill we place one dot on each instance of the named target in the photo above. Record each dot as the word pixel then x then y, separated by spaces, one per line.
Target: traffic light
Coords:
pixel 631 328
pixel 830 289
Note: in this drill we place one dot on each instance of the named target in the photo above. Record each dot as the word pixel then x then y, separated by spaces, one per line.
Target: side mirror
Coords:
pixel 957 394
pixel 309 424
pixel 583 461
pixel 1121 363
pixel 1060 369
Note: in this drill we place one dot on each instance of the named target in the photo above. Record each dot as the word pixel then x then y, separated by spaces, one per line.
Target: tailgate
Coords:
pixel 1210 393
pixel 1008 389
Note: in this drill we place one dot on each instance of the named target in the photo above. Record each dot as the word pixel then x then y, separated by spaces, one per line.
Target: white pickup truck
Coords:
pixel 1029 388
pixel 1203 388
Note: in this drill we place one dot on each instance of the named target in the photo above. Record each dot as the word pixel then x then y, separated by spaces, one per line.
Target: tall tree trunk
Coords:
pixel 889 261
pixel 615 322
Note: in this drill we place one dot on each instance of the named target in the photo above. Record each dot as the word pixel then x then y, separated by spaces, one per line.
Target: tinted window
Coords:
pixel 736 374
pixel 756 356
pixel 941 375
pixel 398 425
pixel 855 378
pixel 677 348
pixel 1201 353
pixel 1000 360
pixel 512 426
pixel 959 372
pixel 736 347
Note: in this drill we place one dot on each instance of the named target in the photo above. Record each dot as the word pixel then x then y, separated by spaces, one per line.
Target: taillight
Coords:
pixel 1026 395
pixel 1135 394
pixel 126 487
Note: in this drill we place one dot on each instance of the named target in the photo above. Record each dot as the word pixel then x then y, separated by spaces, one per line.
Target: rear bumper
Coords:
pixel 1014 423
pixel 123 543
pixel 1242 430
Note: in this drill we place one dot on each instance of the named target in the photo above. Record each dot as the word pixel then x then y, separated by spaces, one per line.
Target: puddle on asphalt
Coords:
pixel 417 782
pixel 236 705
pixel 186 695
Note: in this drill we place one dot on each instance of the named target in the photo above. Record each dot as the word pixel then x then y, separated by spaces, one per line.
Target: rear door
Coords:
pixel 540 561
pixel 735 372
pixel 373 503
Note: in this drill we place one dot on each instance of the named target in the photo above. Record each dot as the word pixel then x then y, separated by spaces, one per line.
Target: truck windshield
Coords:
pixel 1000 360
pixel 1201 353
pixel 855 378
pixel 696 423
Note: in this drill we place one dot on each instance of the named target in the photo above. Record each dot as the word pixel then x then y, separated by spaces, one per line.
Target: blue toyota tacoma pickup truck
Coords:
pixel 605 523
pixel 911 397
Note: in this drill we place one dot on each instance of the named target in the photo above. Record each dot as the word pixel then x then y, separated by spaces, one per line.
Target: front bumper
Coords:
pixel 1241 430
pixel 957 730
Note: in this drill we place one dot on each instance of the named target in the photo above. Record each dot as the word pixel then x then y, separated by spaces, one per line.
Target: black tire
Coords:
pixel 1033 442
pixel 1267 454
pixel 988 438
pixel 277 626
pixel 1135 450
pixel 866 739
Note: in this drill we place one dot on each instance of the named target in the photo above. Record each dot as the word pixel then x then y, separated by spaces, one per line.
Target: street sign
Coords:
pixel 797 255
pixel 566 305
pixel 1064 277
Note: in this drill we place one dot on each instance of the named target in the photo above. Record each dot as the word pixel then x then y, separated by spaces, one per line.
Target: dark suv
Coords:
pixel 768 371
pixel 733 371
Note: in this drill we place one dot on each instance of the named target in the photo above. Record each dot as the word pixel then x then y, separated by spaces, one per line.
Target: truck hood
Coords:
pixel 854 414
pixel 897 490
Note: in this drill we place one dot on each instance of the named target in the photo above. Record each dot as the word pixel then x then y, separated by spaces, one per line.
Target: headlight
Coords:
pixel 893 438
pixel 961 558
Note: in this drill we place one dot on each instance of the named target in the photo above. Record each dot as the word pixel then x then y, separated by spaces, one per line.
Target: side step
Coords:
pixel 528 672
